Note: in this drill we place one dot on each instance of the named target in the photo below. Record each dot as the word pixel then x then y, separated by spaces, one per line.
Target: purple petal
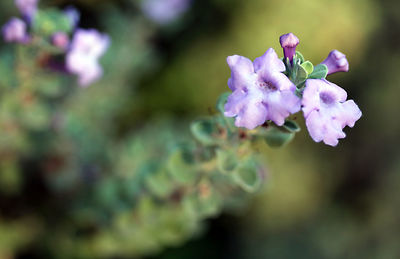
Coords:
pixel 351 114
pixel 321 128
pixel 27 7
pixel 15 31
pixel 242 72
pixel 269 62
pixel 164 11
pixel 251 115
pixel 280 105
pixel 336 62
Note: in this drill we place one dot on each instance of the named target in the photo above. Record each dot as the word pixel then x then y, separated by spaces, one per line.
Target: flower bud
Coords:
pixel 289 43
pixel 336 62
pixel 15 31
pixel 28 8
pixel 60 40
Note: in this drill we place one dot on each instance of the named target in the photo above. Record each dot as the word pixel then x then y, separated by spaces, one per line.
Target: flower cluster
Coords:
pixel 82 53
pixel 271 89
pixel 82 59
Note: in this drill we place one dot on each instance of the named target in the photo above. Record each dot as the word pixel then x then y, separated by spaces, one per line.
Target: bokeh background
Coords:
pixel 317 201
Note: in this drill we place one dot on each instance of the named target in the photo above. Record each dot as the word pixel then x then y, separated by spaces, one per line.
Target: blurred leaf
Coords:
pixel 246 175
pixel 182 171
pixel 205 131
pixel 47 22
pixel 226 160
pixel 221 102
pixel 160 184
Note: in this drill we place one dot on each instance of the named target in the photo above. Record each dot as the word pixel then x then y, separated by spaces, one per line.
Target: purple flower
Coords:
pixel 164 11
pixel 327 112
pixel 60 40
pixel 27 7
pixel 86 48
pixel 260 91
pixel 15 31
pixel 336 62
pixel 73 15
pixel 289 43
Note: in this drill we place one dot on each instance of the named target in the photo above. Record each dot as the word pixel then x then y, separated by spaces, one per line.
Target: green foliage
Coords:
pixel 47 22
pixel 278 136
pixel 247 175
pixel 320 72
pixel 308 67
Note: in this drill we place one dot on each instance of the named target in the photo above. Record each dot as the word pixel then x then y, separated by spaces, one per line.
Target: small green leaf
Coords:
pixel 221 102
pixel 247 176
pixel 308 67
pixel 159 184
pixel 181 170
pixel 276 137
pixel 226 160
pixel 291 126
pixel 320 72
pixel 300 75
pixel 205 131
pixel 299 57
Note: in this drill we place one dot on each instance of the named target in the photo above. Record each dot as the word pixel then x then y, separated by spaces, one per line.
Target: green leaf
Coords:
pixel 181 170
pixel 320 72
pixel 205 131
pixel 276 137
pixel 159 184
pixel 308 67
pixel 221 102
pixel 247 176
pixel 300 75
pixel 48 22
pixel 291 126
pixel 226 160
pixel 299 57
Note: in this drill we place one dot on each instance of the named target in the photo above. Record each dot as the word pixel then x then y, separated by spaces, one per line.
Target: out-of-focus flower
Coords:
pixel 164 11
pixel 289 43
pixel 260 91
pixel 73 15
pixel 336 62
pixel 327 112
pixel 15 31
pixel 86 48
pixel 60 40
pixel 27 7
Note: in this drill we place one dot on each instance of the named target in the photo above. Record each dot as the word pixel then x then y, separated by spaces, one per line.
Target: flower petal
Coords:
pixel 241 72
pixel 269 62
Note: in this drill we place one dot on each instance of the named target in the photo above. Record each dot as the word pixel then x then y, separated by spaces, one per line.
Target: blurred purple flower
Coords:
pixel 289 43
pixel 327 112
pixel 15 31
pixel 86 48
pixel 60 40
pixel 27 7
pixel 73 15
pixel 164 11
pixel 260 91
pixel 336 62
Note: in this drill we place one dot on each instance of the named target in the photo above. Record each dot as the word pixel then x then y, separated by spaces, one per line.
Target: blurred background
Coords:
pixel 317 201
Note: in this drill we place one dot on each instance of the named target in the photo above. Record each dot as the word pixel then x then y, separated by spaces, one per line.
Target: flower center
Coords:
pixel 327 97
pixel 268 86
